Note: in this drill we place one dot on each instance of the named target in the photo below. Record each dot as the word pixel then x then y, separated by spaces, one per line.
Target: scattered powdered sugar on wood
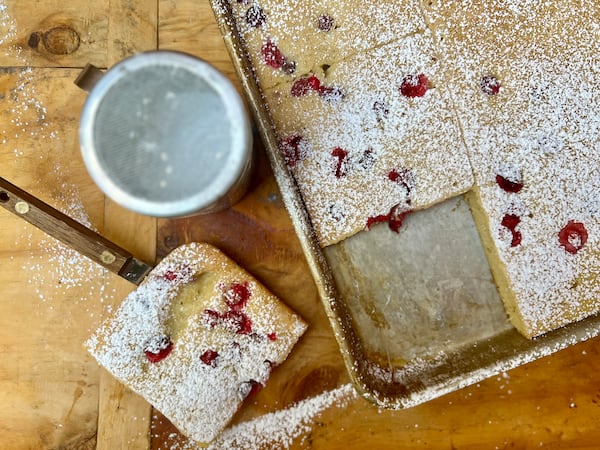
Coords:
pixel 28 117
pixel 28 113
pixel 53 269
pixel 8 28
pixel 58 272
pixel 279 429
pixel 58 269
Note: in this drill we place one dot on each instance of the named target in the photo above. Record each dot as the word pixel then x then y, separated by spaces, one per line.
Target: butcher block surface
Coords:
pixel 53 395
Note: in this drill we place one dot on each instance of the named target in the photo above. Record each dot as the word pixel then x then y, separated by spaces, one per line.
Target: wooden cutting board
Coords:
pixel 53 395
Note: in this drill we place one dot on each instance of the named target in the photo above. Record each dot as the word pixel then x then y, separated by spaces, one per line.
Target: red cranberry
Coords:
pixel 414 85
pixel 397 215
pixel 303 86
pixel 394 218
pixel 404 177
pixel 326 23
pixel 272 56
pixel 236 321
pixel 511 221
pixel 377 219
pixel 170 275
pixel 573 236
pixel 211 318
pixel 272 336
pixel 294 149
pixel 209 357
pixel 158 349
pixel 237 295
pixel 508 185
pixel 340 167
pixel 489 85
pixel 177 274
pixel 255 16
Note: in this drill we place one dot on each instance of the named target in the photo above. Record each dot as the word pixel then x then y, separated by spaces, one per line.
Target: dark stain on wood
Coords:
pixel 34 39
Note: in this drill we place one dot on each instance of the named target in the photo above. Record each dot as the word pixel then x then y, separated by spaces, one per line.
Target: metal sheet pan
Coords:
pixel 416 314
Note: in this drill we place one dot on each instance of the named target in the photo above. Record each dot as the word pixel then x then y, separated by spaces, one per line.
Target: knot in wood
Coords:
pixel 61 40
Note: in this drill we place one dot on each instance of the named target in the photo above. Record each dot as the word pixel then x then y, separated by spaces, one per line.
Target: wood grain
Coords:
pixel 56 396
pixel 189 25
pixel 52 297
pixel 54 33
pixel 132 28
pixel 124 417
pixel 53 395
pixel 67 230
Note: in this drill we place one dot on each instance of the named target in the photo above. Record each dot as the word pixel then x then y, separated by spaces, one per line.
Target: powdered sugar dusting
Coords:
pixel 296 31
pixel 510 83
pixel 404 136
pixel 53 269
pixel 8 28
pixel 28 116
pixel 62 267
pixel 279 429
pixel 541 127
pixel 344 101
pixel 184 300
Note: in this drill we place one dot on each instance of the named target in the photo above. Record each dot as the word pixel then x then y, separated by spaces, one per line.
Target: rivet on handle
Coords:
pixel 22 207
pixel 107 257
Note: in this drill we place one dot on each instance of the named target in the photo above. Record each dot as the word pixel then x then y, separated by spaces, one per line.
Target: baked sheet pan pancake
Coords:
pixel 416 314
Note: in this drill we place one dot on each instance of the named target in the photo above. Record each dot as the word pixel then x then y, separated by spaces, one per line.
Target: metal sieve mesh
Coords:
pixel 150 133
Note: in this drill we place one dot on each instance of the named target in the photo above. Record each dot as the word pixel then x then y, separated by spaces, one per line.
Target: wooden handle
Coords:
pixel 70 232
